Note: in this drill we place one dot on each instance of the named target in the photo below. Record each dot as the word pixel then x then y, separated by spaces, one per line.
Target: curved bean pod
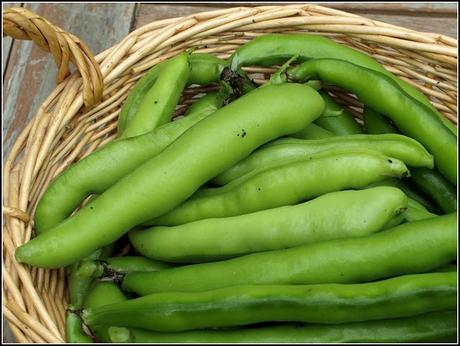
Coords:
pixel 386 97
pixel 166 180
pixel 273 49
pixel 400 147
pixel 101 169
pixel 400 250
pixel 401 296
pixel 335 215
pixel 434 326
pixel 288 183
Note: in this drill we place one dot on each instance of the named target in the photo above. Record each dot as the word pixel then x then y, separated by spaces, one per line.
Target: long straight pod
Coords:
pixel 403 148
pixel 334 215
pixel 408 248
pixel 433 326
pixel 383 95
pixel 101 169
pixel 287 184
pixel 164 181
pixel 401 296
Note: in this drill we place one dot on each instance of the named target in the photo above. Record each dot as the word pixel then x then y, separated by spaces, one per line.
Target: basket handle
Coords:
pixel 23 24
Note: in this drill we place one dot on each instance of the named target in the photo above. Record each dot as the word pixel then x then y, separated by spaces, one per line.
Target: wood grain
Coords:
pixel 30 75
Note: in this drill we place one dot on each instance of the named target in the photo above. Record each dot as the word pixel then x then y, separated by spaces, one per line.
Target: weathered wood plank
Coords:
pixel 442 18
pixel 30 74
pixel 438 24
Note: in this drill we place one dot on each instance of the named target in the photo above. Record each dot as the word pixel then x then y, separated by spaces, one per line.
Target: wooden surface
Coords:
pixel 29 73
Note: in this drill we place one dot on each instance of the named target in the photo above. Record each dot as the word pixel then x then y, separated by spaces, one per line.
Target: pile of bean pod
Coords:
pixel 266 213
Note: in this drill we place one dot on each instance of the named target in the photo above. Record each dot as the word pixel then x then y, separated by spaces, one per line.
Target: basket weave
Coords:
pixel 79 116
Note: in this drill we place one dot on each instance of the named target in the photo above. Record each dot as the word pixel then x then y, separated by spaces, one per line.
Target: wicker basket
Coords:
pixel 79 116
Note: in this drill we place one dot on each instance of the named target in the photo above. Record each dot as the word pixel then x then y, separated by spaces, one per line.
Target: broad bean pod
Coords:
pixel 74 331
pixel 335 215
pixel 400 250
pixel 400 147
pixel 78 286
pixel 376 124
pixel 410 192
pixel 273 49
pixel 336 119
pixel 102 294
pixel 437 187
pixel 401 296
pixel 288 183
pixel 166 180
pixel 385 96
pixel 313 131
pixel 160 101
pixel 434 326
pixel 428 181
pixel 101 169
pixel 117 267
pixel 204 70
pixel 416 211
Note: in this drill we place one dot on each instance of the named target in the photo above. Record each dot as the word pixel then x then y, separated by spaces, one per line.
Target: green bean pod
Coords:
pixel 313 131
pixel 136 96
pixel 410 192
pixel 400 250
pixel 335 215
pixel 166 180
pixel 117 267
pixel 102 294
pixel 74 331
pixel 78 286
pixel 427 181
pixel 336 119
pixel 273 49
pixel 384 96
pixel 376 124
pixel 101 169
pixel 416 211
pixel 400 147
pixel 159 103
pixel 450 267
pixel 288 183
pixel 437 187
pixel 205 69
pixel 401 296
pixel 433 326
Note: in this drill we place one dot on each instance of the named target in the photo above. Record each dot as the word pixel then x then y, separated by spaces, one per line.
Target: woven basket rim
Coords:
pixel 63 131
